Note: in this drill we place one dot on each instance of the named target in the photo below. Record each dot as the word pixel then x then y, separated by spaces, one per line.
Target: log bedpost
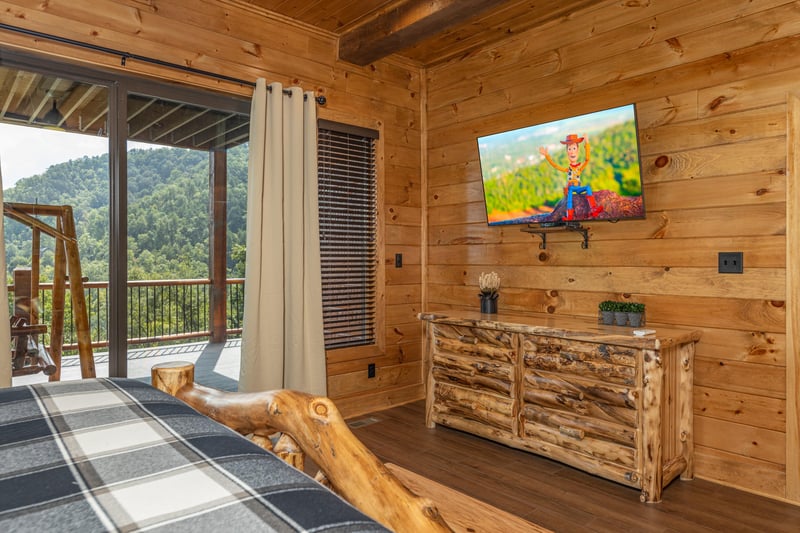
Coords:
pixel 172 376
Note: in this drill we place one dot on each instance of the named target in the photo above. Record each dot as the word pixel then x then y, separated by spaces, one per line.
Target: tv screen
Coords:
pixel 576 169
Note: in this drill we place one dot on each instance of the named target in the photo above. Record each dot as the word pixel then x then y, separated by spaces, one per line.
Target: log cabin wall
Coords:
pixel 233 38
pixel 710 79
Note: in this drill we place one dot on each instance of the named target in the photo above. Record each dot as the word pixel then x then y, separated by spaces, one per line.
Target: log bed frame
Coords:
pixel 309 426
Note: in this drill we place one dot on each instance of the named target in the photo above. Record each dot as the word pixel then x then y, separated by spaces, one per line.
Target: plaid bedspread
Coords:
pixel 119 455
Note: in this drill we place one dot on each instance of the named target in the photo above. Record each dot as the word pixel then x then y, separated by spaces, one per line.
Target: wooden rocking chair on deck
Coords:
pixel 28 354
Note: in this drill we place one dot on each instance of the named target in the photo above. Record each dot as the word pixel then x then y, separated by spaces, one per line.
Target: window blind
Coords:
pixel 347 224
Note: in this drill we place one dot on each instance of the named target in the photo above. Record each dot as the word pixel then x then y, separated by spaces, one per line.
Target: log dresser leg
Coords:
pixel 686 385
pixel 653 387
pixel 172 376
pixel 429 401
pixel 427 373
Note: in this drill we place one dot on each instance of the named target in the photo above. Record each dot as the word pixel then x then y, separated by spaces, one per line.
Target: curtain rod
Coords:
pixel 124 56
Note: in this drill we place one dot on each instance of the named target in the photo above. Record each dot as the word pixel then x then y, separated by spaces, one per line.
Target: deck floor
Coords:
pixel 216 365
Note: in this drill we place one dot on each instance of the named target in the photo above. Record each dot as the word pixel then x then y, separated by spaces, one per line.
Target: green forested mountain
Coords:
pixel 168 212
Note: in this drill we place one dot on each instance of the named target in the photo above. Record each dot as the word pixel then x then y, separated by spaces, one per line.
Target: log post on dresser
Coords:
pixel 686 408
pixel 653 387
pixel 426 368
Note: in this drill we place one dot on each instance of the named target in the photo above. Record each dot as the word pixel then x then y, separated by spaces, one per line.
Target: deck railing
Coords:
pixel 159 311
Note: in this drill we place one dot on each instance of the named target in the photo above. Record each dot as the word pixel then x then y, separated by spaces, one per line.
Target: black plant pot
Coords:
pixel 488 305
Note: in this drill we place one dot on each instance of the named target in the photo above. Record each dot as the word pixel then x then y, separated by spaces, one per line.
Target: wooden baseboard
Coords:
pixel 461 512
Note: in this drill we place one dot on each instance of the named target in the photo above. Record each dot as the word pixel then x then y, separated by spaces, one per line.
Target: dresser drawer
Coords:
pixel 488 409
pixel 578 427
pixel 616 404
pixel 594 440
pixel 473 373
pixel 483 343
pixel 614 364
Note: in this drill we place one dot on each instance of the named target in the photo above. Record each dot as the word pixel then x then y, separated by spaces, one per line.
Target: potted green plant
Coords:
pixel 489 285
pixel 635 312
pixel 607 308
pixel 620 314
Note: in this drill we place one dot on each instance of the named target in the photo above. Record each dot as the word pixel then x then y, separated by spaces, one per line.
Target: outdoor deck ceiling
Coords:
pixel 216 365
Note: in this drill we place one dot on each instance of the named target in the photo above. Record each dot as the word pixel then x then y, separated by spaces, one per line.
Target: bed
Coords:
pixel 118 454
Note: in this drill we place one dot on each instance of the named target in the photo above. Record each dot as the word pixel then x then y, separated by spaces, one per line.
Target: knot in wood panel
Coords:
pixel 571 432
pixel 633 477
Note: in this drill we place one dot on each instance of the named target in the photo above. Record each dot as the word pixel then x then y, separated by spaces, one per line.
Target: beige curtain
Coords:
pixel 5 324
pixel 282 338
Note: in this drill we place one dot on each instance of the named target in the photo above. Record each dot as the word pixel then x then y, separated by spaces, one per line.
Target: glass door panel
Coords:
pixel 54 152
pixel 182 159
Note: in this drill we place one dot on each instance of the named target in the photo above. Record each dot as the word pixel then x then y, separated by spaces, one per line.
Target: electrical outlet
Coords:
pixel 371 370
pixel 398 260
pixel 731 262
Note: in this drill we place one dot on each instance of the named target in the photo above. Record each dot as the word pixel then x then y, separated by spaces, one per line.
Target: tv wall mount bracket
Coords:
pixel 542 232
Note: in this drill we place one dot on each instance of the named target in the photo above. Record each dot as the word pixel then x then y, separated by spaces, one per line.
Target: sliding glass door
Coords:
pixel 184 156
pixel 155 177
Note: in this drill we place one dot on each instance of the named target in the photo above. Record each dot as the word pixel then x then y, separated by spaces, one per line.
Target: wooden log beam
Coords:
pixel 405 24
pixel 219 244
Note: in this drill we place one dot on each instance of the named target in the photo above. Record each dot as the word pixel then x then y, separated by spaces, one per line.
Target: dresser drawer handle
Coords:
pixel 467 339
pixel 571 432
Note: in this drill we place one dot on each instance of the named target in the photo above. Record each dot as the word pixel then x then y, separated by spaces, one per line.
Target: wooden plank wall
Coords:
pixel 234 38
pixel 710 80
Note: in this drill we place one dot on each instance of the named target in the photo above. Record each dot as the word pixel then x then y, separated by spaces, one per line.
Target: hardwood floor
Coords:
pixel 557 496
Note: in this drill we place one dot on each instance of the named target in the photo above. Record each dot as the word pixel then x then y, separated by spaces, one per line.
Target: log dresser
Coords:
pixel 592 396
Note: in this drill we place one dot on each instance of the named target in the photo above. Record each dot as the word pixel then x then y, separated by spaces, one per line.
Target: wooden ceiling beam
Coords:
pixel 405 24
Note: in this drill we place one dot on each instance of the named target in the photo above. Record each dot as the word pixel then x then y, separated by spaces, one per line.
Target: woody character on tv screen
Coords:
pixel 574 169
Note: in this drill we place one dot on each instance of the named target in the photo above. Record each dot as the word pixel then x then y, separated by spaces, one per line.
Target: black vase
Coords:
pixel 488 304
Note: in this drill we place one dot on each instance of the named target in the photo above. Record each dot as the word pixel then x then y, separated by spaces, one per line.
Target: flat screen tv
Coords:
pixel 577 169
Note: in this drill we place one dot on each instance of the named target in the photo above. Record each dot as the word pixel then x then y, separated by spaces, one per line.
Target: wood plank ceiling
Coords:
pixel 47 101
pixel 428 32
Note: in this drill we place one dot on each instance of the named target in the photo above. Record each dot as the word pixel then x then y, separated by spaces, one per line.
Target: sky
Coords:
pixel 26 151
